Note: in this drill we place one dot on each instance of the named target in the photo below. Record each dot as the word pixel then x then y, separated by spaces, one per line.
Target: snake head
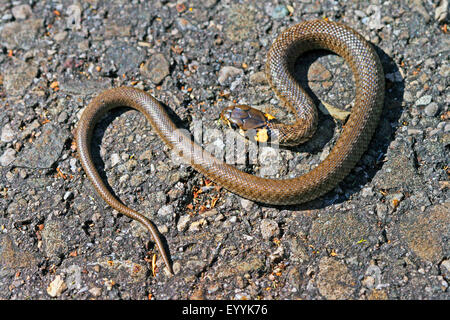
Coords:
pixel 245 118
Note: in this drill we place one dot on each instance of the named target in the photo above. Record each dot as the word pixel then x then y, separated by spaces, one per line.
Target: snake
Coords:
pixel 352 142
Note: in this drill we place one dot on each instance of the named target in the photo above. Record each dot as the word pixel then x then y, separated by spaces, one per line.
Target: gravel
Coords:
pixel 383 233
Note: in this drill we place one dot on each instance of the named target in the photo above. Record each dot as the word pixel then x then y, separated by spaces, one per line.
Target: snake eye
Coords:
pixel 233 125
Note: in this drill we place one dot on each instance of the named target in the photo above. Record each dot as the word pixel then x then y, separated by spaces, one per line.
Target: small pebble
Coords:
pixel 115 159
pixel 367 192
pixel 432 109
pixel 74 12
pixel 412 131
pixel 269 229
pixel 8 133
pixel 197 225
pixel 60 36
pixel 445 268
pixel 124 178
pixel 182 222
pixel 227 73
pixel 62 117
pixel 441 12
pixel 247 205
pixel 382 210
pixel 56 287
pixel 368 282
pixel 163 229
pixel 447 127
pixel 22 12
pixel 166 210
pixel 95 291
pixel 394 77
pixel 68 195
pixel 424 100
pixel 258 78
pixel 7 157
pixel 156 68
pixel 73 164
pixel 280 12
pixel 7 17
pixel 408 97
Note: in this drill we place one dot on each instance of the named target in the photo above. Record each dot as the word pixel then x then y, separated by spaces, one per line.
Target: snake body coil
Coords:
pixel 353 141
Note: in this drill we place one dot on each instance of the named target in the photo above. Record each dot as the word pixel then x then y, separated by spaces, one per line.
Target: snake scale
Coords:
pixel 290 44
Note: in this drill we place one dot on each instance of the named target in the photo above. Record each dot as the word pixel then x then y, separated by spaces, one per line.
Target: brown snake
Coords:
pixel 353 141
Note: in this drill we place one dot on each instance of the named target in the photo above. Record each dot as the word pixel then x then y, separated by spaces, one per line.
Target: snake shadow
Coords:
pixel 372 160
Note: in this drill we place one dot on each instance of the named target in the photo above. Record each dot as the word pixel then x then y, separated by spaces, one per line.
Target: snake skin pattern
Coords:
pixel 351 144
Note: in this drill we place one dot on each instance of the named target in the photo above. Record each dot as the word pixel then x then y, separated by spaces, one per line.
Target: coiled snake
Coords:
pixel 353 141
